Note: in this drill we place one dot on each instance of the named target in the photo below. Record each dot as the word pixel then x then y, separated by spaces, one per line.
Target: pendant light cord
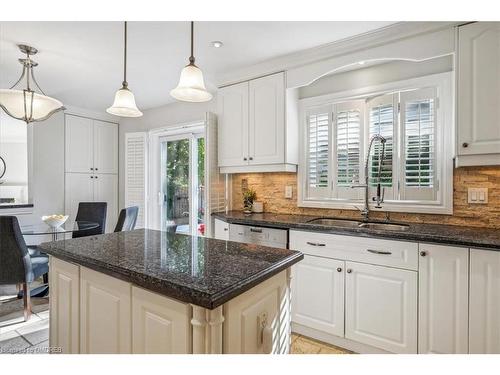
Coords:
pixel 125 84
pixel 191 58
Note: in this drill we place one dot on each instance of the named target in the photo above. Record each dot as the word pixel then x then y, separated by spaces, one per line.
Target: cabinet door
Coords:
pixel 221 230
pixel 381 307
pixel 484 319
pixel 232 112
pixel 479 88
pixel 267 120
pixel 106 190
pixel 318 294
pixel 105 147
pixel 105 319
pixel 79 144
pixel 79 187
pixel 64 306
pixel 160 325
pixel 443 299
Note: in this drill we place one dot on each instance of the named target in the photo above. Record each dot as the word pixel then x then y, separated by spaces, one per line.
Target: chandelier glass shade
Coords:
pixel 28 103
pixel 191 87
pixel 124 103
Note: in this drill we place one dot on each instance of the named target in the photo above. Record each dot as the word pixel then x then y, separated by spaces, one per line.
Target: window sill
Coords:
pixel 409 207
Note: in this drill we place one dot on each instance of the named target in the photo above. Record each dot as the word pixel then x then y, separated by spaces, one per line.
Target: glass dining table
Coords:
pixel 43 229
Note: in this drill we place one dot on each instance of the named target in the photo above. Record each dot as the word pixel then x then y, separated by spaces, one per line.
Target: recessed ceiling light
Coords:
pixel 217 44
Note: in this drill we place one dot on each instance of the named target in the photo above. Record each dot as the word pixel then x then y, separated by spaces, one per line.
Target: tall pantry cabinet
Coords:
pixel 91 165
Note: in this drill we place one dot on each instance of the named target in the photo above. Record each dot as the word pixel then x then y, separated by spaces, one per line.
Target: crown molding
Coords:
pixel 374 38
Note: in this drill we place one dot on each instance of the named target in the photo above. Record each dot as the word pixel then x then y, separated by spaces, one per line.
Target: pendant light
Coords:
pixel 124 104
pixel 191 87
pixel 25 103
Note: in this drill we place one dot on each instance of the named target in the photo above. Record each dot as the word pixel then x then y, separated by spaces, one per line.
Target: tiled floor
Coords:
pixel 305 345
pixel 16 335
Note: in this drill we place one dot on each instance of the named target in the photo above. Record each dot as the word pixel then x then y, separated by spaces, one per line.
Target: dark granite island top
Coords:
pixel 202 271
pixel 481 238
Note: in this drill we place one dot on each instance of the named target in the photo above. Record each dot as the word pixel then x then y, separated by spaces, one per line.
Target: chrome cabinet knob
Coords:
pixel 339 269
pixel 465 145
pixel 423 253
pixel 349 270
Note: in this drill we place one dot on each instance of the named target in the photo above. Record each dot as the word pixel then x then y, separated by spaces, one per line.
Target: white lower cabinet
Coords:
pixel 443 299
pixel 221 230
pixel 484 306
pixel 64 306
pixel 105 314
pixel 381 307
pixel 318 294
pixel 159 324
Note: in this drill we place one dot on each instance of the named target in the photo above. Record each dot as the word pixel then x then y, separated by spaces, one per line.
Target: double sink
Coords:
pixel 345 223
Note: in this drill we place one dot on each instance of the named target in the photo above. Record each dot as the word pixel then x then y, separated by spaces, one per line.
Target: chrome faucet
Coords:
pixel 365 212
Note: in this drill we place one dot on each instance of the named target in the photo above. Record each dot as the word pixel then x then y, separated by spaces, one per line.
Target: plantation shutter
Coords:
pixel 382 118
pixel 318 150
pixel 348 147
pixel 418 148
pixel 135 175
pixel 215 193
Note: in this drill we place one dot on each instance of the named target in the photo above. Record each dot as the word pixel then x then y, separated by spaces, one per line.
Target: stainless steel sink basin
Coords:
pixel 385 226
pixel 335 222
pixel 330 222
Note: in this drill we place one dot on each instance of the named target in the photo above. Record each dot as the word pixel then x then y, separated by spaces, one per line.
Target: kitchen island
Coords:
pixel 148 291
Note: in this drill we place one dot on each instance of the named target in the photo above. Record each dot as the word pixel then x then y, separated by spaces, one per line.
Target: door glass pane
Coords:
pixel 175 207
pixel 200 151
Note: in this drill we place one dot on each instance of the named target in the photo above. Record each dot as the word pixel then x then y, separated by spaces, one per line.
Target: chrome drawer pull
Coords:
pixel 255 230
pixel 315 243
pixel 379 252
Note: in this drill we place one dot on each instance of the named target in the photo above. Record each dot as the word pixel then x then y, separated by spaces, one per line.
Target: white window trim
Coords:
pixel 445 134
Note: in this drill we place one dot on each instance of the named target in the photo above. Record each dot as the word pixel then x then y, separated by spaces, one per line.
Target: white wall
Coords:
pixel 375 75
pixel 168 115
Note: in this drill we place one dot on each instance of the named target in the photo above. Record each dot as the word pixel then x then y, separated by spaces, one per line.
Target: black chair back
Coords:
pixel 91 211
pixel 15 263
pixel 127 219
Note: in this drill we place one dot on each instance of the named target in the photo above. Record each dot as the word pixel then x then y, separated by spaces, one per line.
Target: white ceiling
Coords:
pixel 81 62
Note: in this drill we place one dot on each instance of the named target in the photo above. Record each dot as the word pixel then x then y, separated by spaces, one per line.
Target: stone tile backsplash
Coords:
pixel 270 188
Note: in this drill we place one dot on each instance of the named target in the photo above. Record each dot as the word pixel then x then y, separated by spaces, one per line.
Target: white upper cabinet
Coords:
pixel 484 304
pixel 253 133
pixel 443 299
pixel 232 103
pixel 267 120
pixel 478 106
pixel 318 294
pixel 105 147
pixel 79 144
pixel 381 307
pixel 91 146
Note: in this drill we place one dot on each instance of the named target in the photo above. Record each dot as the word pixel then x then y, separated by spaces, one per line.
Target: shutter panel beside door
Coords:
pixel 135 174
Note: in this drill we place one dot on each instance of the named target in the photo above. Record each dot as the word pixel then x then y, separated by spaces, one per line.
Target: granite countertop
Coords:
pixel 198 270
pixel 485 238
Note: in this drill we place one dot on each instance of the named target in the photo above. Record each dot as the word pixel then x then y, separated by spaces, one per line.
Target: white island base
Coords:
pixel 91 312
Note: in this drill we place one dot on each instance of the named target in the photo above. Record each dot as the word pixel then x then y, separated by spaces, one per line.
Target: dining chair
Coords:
pixel 127 219
pixel 16 264
pixel 91 211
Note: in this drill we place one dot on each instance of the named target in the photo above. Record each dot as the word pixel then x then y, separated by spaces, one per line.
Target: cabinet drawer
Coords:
pixel 398 254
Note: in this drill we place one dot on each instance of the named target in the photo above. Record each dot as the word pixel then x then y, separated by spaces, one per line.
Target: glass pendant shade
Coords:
pixel 28 106
pixel 191 87
pixel 124 104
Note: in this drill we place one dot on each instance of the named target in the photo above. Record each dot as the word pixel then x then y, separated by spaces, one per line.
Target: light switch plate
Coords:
pixel 477 195
pixel 288 192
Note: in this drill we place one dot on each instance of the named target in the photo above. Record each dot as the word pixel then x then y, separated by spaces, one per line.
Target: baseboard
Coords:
pixel 336 340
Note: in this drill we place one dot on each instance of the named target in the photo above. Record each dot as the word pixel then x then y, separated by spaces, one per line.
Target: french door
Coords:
pixel 182 183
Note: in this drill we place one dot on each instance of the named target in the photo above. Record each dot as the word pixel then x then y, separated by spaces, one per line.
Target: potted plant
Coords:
pixel 249 196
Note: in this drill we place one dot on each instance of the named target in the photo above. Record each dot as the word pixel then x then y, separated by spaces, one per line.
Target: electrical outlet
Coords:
pixel 477 195
pixel 288 192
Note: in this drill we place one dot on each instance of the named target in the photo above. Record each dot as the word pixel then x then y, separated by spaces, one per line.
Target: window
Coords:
pixel 417 156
